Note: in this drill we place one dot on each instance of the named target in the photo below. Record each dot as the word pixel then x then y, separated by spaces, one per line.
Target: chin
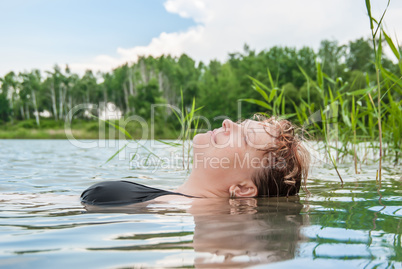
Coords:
pixel 201 138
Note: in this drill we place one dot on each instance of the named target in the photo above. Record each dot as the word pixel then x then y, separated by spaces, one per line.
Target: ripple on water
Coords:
pixel 43 224
pixel 395 211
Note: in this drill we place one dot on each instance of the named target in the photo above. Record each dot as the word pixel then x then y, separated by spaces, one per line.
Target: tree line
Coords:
pixel 217 86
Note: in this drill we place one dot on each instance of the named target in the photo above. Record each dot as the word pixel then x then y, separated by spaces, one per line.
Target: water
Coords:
pixel 43 224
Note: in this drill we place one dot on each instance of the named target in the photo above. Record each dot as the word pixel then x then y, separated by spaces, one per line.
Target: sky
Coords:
pixel 101 35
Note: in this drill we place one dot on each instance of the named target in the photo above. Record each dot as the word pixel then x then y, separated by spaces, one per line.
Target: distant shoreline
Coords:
pixel 81 129
pixel 45 134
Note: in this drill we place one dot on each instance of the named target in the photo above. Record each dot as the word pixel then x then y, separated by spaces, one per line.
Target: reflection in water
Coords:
pixel 253 231
pixel 235 232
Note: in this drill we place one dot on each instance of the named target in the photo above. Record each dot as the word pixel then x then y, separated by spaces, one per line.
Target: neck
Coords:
pixel 194 186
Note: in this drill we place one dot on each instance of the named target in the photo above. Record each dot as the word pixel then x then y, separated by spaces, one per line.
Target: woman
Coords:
pixel 262 157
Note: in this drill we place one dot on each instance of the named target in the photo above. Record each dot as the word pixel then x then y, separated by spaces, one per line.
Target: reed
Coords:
pixel 131 139
pixel 187 119
pixel 377 30
pixel 189 122
pixel 348 121
pixel 357 122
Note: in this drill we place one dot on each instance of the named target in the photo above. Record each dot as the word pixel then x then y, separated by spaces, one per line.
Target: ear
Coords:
pixel 243 189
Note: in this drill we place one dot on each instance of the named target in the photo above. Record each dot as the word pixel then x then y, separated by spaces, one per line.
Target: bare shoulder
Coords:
pixel 174 198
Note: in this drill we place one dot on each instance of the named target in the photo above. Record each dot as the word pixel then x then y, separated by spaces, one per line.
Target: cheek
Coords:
pixel 231 155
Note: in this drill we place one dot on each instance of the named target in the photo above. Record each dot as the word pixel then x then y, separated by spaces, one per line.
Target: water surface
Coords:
pixel 43 224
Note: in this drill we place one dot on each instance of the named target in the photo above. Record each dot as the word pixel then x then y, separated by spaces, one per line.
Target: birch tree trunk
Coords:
pixel 126 97
pixel 160 82
pixel 22 111
pixel 60 102
pixel 27 112
pixel 35 107
pixel 66 105
pixel 70 106
pixel 62 97
pixel 143 72
pixel 88 96
pixel 105 95
pixel 54 106
pixel 130 81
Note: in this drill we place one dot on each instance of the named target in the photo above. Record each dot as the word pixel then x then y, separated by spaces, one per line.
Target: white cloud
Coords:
pixel 172 43
pixel 226 25
pixel 195 9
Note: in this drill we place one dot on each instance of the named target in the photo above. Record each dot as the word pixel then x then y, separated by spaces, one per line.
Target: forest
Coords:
pixel 280 80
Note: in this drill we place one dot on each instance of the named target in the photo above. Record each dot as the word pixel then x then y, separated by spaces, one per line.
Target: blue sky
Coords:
pixel 101 35
pixel 48 30
pixel 85 27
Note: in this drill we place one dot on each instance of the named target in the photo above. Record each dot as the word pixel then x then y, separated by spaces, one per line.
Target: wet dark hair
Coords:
pixel 286 162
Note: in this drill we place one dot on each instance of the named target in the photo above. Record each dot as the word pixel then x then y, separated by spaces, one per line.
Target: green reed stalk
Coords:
pixel 132 140
pixel 328 150
pixel 378 53
pixel 353 115
pixel 187 120
pixel 395 109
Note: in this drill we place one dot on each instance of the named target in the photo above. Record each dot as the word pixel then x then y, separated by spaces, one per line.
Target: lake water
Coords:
pixel 44 225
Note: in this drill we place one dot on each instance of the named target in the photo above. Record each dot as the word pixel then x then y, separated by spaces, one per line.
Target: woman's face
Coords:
pixel 233 148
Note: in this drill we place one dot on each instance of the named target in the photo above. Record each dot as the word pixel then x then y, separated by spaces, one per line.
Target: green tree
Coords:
pixel 5 110
pixel 10 89
pixel 332 58
pixel 360 56
pixel 30 86
pixel 148 95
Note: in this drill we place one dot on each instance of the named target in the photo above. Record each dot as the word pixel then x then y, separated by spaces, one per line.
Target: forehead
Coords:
pixel 259 133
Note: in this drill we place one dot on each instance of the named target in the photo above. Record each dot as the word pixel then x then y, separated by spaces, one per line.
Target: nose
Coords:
pixel 227 124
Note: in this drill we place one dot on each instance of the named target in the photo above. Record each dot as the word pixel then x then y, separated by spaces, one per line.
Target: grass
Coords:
pixel 349 122
pixel 81 129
